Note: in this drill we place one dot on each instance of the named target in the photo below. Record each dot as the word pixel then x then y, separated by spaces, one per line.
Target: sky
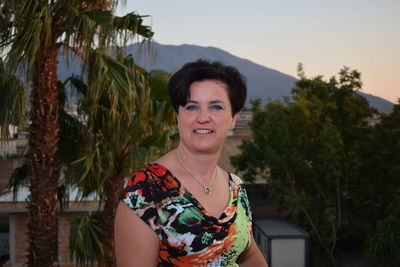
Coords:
pixel 324 35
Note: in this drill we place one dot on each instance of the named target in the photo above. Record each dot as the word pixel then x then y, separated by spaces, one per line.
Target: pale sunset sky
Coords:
pixel 324 35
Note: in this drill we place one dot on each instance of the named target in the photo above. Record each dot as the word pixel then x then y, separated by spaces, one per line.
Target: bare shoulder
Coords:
pixel 136 244
pixel 168 160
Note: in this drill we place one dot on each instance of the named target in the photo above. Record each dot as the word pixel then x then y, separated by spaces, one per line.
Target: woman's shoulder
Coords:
pixel 151 173
pixel 153 181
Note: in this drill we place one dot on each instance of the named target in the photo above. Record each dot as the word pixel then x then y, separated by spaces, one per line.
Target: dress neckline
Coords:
pixel 228 211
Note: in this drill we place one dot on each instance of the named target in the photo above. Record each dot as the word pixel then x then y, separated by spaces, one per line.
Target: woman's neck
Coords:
pixel 200 165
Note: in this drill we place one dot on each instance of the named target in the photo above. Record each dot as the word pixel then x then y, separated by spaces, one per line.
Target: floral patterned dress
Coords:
pixel 189 235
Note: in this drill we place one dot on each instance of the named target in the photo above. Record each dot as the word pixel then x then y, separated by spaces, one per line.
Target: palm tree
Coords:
pixel 32 31
pixel 124 125
pixel 11 98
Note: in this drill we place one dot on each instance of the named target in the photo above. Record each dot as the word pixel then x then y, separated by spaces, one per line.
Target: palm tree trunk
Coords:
pixel 112 191
pixel 43 167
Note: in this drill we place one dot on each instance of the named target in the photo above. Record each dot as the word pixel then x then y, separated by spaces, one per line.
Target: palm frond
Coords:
pixel 162 109
pixel 159 85
pixel 12 101
pixel 94 28
pixel 78 84
pixel 71 138
pixel 86 240
pixel 109 78
pixel 32 31
pixel 81 26
pixel 6 16
pixel 130 25
pixel 90 171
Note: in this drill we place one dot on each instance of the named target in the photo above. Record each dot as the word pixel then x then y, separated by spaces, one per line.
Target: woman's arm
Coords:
pixel 136 244
pixel 252 256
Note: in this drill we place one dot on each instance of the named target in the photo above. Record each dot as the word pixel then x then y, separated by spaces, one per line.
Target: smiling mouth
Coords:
pixel 203 131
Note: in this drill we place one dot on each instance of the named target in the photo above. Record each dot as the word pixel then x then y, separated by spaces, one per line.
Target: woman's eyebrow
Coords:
pixel 211 102
pixel 217 102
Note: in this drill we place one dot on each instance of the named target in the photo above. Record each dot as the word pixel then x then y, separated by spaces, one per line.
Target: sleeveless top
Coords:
pixel 189 235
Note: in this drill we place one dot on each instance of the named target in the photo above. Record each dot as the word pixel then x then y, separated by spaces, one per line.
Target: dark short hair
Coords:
pixel 201 70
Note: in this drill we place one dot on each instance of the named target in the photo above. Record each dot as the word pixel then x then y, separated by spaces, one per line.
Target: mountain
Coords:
pixel 379 103
pixel 262 82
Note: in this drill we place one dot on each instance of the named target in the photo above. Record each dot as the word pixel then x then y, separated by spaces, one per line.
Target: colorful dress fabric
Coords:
pixel 189 235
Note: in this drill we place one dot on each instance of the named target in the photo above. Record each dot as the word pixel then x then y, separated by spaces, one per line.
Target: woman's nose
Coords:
pixel 204 116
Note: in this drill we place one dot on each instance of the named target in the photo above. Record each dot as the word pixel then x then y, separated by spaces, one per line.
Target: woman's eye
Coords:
pixel 216 107
pixel 191 107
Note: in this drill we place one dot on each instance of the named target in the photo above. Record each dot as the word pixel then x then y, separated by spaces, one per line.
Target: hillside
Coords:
pixel 263 82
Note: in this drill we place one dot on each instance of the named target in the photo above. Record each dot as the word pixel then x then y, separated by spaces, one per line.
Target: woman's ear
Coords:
pixel 234 119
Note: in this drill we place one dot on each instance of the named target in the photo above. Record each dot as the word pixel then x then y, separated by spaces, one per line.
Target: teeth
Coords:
pixel 203 131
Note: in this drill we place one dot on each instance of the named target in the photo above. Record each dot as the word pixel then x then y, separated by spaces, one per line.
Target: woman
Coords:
pixel 187 211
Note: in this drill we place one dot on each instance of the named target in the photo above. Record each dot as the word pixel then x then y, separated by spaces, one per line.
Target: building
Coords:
pixel 242 127
pixel 14 214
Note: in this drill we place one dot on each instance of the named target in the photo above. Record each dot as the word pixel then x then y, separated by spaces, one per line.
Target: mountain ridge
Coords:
pixel 265 83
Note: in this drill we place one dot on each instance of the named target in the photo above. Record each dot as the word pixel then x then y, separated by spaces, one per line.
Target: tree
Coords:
pixel 11 98
pixel 383 245
pixel 32 31
pixel 122 129
pixel 382 168
pixel 309 151
pixel 382 171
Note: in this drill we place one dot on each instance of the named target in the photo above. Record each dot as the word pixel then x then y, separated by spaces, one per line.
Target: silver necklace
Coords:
pixel 207 188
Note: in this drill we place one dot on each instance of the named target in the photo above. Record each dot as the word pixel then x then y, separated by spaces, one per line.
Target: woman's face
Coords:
pixel 207 117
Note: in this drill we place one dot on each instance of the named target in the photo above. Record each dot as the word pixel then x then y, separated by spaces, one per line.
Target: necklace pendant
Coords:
pixel 207 190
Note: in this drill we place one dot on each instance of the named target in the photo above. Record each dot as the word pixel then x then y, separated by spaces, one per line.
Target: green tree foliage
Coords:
pixel 383 162
pixel 124 123
pixel 384 243
pixel 12 98
pixel 31 34
pixel 87 240
pixel 383 191
pixel 309 150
